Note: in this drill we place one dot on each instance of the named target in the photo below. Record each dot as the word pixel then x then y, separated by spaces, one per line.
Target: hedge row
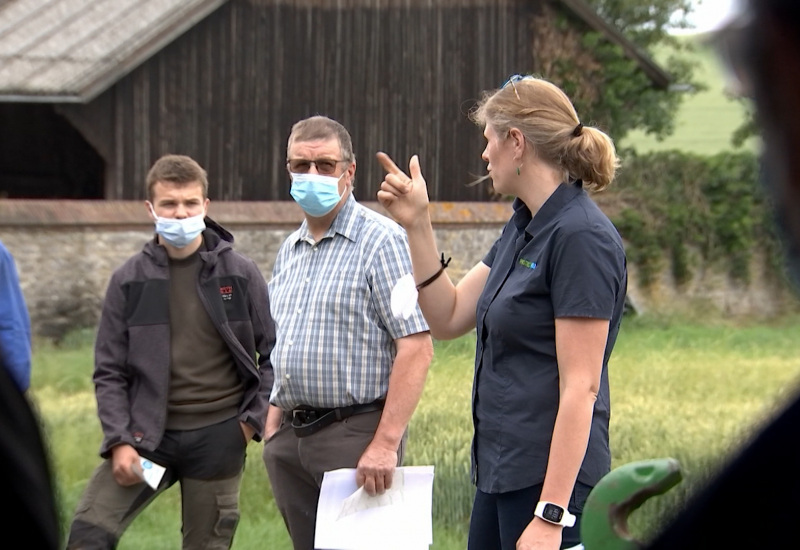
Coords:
pixel 682 211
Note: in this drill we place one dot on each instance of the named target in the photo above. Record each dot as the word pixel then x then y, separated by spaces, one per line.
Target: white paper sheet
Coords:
pixel 400 519
pixel 150 472
pixel 404 297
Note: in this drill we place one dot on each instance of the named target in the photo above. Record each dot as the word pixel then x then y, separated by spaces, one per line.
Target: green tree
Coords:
pixel 607 86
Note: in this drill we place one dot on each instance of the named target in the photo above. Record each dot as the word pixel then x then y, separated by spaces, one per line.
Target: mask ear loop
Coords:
pixel 346 184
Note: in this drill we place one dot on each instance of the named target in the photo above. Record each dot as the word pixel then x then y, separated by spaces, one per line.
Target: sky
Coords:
pixel 709 14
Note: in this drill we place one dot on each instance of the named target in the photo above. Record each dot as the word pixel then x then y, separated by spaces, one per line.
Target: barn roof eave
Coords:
pixel 96 74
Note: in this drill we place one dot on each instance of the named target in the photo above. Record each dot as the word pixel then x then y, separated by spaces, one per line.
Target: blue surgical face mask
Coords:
pixel 317 195
pixel 179 233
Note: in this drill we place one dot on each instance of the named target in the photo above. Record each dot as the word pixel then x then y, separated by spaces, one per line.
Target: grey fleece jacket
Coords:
pixel 132 351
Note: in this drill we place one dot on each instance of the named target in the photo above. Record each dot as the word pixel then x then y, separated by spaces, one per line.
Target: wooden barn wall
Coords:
pixel 227 92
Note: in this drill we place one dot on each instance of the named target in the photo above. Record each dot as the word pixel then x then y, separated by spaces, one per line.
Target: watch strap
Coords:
pixel 553 513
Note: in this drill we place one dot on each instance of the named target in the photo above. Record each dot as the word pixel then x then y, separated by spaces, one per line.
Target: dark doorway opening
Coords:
pixel 42 156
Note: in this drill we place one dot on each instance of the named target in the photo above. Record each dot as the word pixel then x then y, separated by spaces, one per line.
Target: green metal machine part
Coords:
pixel 604 522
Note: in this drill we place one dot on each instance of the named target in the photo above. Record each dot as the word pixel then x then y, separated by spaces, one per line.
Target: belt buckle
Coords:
pixel 303 416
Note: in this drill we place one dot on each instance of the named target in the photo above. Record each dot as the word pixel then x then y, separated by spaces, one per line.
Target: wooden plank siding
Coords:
pixel 401 79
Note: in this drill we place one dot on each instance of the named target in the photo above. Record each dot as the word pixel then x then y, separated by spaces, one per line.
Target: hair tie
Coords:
pixel 578 130
pixel 435 276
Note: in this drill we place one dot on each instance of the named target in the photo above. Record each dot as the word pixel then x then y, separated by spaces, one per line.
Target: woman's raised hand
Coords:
pixel 405 198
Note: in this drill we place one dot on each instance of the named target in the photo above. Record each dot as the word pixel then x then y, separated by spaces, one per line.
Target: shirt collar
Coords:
pixel 563 194
pixel 345 224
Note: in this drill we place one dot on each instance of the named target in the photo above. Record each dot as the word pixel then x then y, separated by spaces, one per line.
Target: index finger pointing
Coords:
pixel 388 164
pixel 414 169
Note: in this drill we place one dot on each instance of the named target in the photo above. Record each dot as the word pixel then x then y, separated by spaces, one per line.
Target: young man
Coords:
pixel 348 374
pixel 182 370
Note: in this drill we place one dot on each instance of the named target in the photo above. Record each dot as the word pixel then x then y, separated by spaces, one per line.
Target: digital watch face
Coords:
pixel 552 513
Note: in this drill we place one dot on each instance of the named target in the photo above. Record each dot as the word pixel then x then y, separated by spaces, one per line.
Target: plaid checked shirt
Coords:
pixel 331 304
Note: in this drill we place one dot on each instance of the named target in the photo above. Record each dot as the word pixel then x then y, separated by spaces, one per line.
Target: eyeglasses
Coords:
pixel 302 166
pixel 513 81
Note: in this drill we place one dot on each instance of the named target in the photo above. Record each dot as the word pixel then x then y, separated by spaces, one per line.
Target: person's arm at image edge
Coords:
pixel 15 331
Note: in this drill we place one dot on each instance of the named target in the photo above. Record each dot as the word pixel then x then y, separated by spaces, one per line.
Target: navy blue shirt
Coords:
pixel 566 261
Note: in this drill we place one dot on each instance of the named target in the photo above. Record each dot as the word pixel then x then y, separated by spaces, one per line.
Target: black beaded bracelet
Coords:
pixel 435 276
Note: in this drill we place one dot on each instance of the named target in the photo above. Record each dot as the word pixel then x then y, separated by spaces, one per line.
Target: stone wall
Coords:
pixel 66 251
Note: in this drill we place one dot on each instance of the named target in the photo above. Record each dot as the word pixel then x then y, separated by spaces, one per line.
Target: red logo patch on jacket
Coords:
pixel 226 292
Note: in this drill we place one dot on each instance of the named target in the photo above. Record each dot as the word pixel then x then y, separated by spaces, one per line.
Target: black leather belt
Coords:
pixel 308 420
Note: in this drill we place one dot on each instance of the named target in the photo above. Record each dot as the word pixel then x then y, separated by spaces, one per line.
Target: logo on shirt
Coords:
pixel 226 292
pixel 527 263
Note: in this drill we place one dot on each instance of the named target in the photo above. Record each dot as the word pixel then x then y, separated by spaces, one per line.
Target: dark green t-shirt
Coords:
pixel 204 386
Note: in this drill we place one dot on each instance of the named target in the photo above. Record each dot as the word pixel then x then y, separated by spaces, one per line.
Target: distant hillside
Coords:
pixel 706 120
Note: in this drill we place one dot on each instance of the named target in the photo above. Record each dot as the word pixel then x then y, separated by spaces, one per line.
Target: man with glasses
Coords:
pixel 348 373
pixel 753 502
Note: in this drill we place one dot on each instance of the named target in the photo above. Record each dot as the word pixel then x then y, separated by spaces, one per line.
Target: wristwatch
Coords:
pixel 554 513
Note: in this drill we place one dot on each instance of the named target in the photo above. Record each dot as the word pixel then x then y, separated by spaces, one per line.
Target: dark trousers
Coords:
pixel 498 519
pixel 208 464
pixel 296 466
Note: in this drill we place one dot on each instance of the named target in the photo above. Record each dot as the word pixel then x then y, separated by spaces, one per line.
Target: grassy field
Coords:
pixel 678 389
pixel 706 120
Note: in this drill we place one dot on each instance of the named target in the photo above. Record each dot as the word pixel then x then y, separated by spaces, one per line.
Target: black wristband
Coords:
pixel 435 276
